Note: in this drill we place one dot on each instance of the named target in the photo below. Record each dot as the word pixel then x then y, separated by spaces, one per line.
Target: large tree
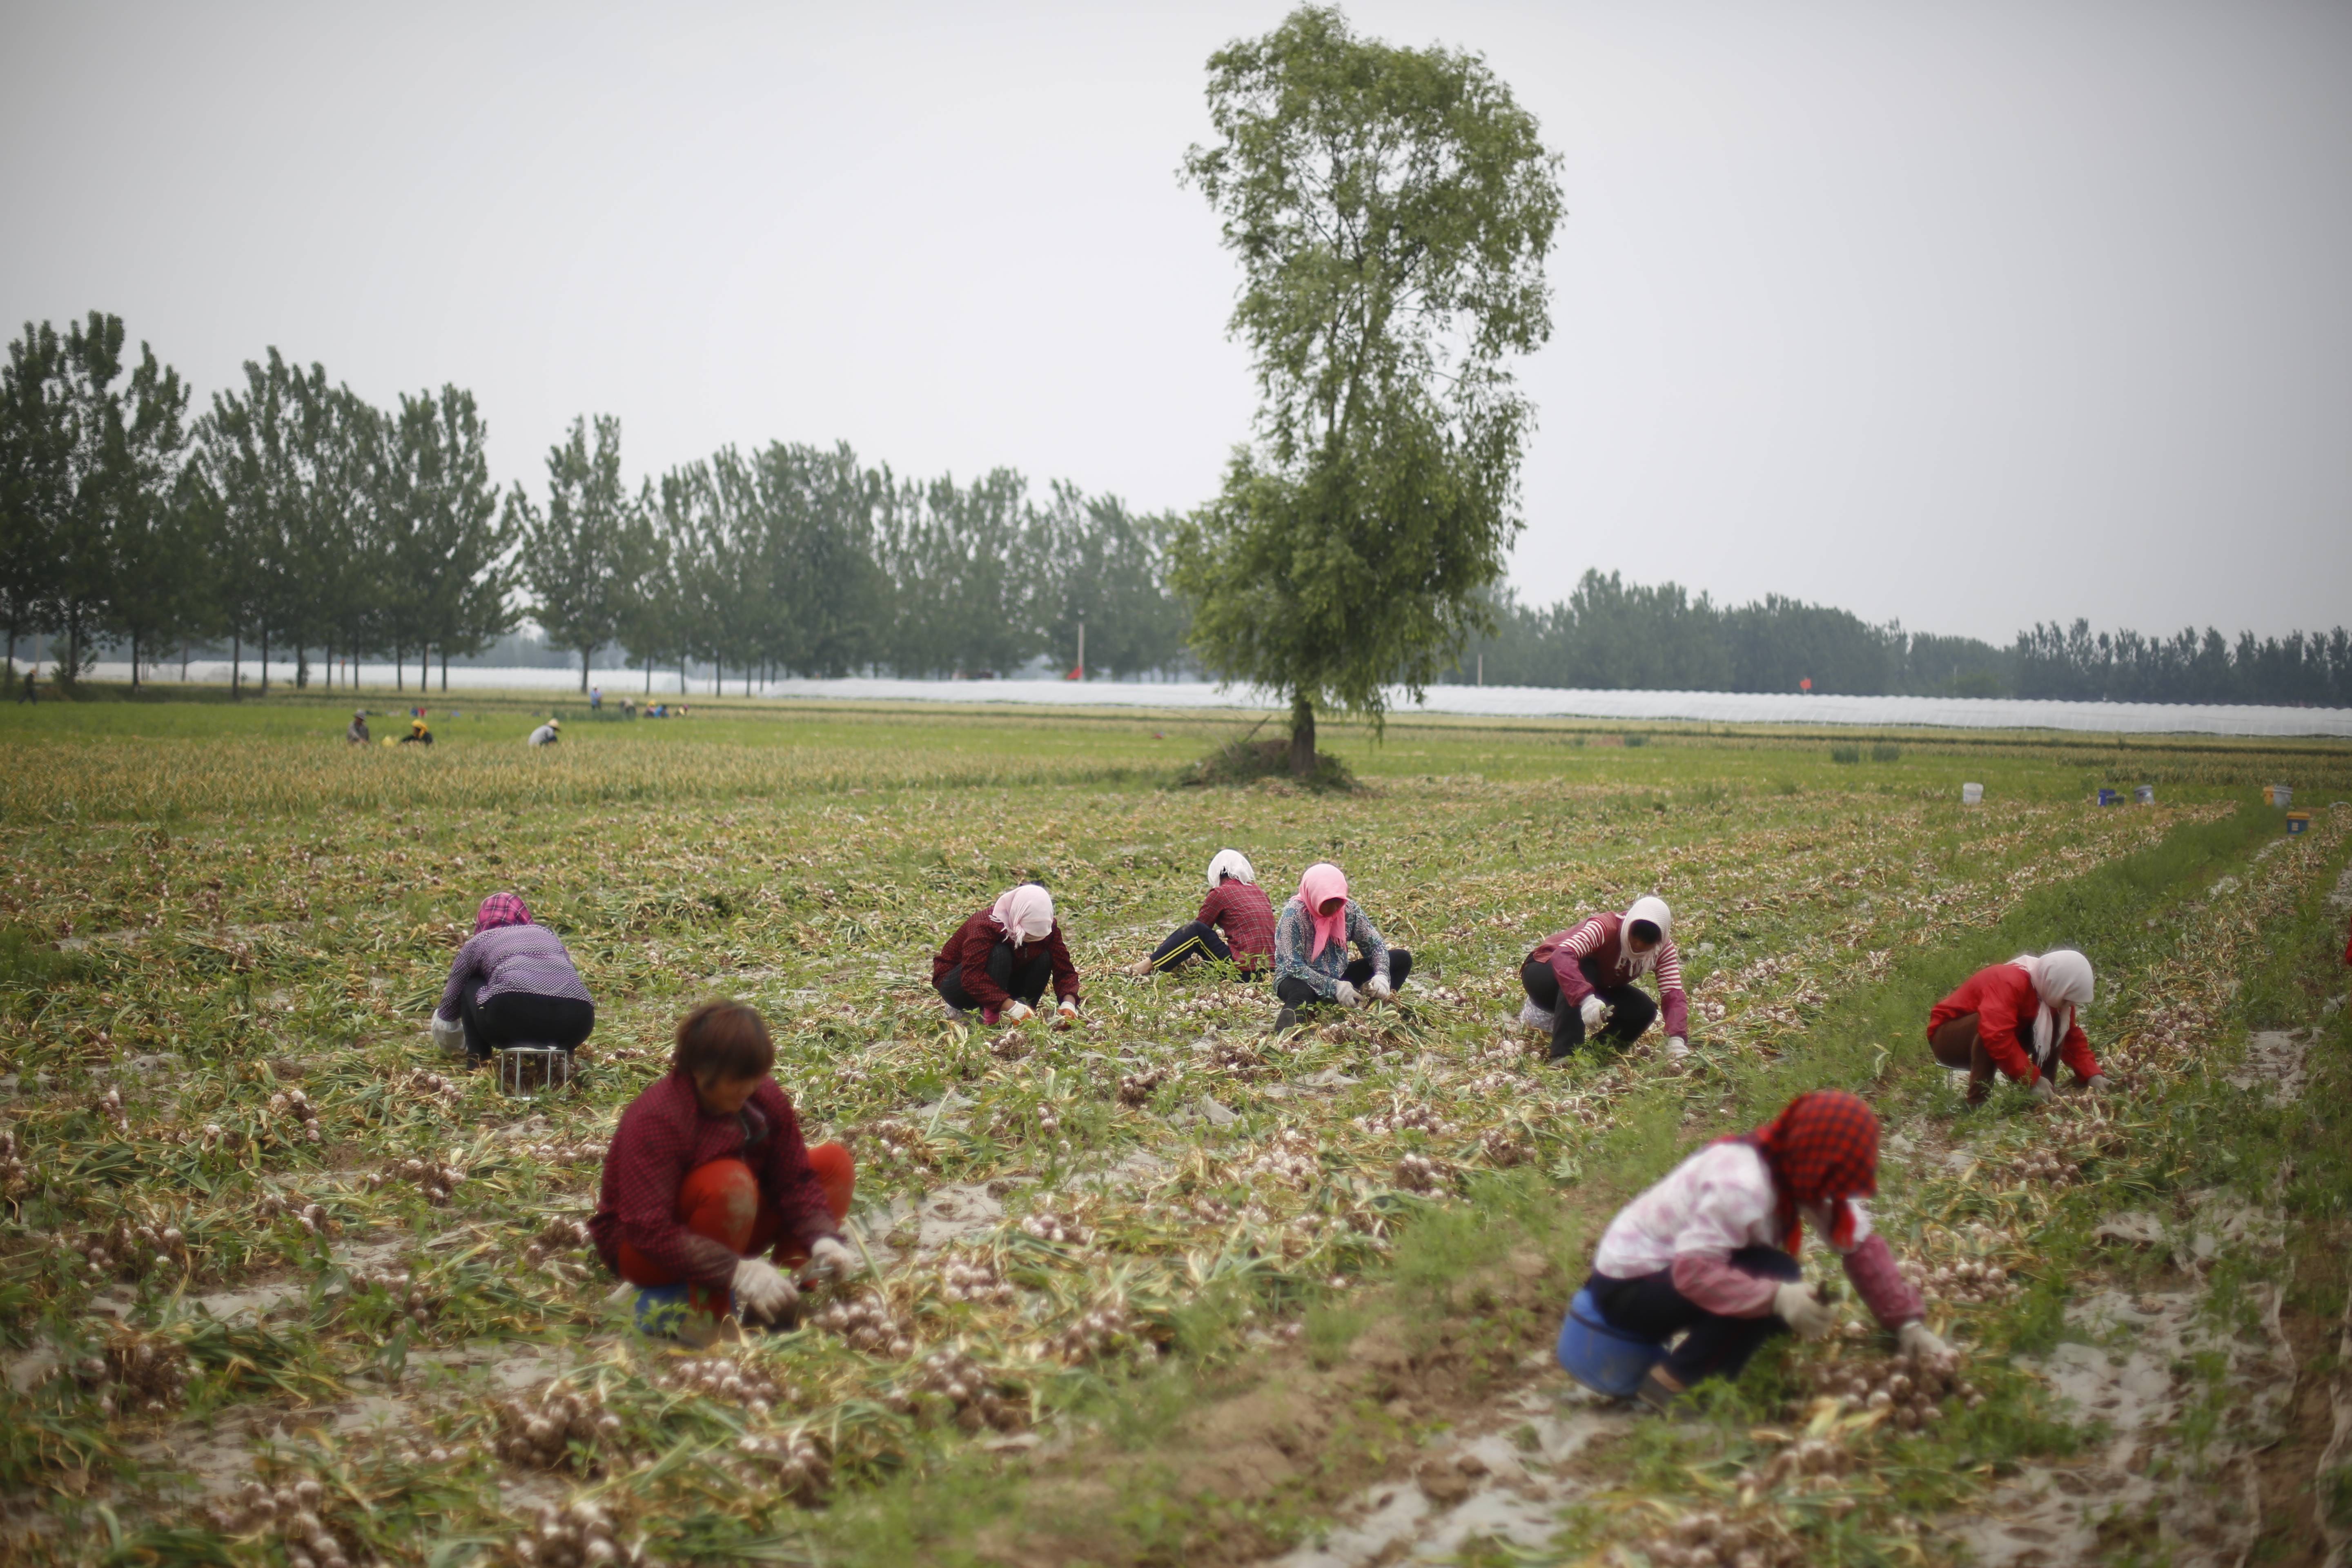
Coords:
pixel 35 441
pixel 440 509
pixel 1391 209
pixel 574 553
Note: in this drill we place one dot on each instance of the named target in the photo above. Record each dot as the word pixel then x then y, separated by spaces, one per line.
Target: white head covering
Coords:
pixel 1231 863
pixel 1653 908
pixel 1024 913
pixel 2062 980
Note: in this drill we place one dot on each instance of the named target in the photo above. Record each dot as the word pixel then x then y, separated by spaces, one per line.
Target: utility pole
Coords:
pixel 1082 650
pixel 1482 669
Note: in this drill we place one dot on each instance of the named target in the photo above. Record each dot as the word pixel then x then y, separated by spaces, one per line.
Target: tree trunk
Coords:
pixel 399 667
pixel 1302 736
pixel 265 659
pixel 237 665
pixel 586 654
pixel 135 661
pixel 183 660
pixel 445 668
pixel 649 675
pixel 301 667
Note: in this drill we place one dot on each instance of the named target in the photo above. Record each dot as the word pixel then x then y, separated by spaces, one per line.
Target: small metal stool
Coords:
pixel 527 1070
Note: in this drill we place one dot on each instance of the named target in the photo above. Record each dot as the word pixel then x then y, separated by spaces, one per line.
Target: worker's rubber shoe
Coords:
pixel 1284 1021
pixel 1657 1393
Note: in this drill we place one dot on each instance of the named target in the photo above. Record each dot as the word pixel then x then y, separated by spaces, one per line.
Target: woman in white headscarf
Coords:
pixel 1000 962
pixel 1577 978
pixel 1235 924
pixel 2021 1019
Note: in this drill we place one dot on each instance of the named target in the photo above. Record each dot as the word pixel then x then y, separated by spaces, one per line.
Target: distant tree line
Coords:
pixel 292 514
pixel 1610 634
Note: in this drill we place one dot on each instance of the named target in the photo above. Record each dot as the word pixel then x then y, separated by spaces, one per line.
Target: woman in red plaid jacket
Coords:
pixel 1235 924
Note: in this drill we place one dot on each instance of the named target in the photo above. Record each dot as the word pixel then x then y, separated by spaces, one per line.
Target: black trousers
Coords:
pixel 1025 979
pixel 1715 1346
pixel 1188 943
pixel 1292 992
pixel 519 1018
pixel 1632 1011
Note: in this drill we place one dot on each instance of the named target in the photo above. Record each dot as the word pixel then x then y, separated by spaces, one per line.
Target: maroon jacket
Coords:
pixel 663 1136
pixel 1242 911
pixel 968 951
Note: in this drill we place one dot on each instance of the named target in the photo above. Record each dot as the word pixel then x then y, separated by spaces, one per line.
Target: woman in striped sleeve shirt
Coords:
pixel 1577 977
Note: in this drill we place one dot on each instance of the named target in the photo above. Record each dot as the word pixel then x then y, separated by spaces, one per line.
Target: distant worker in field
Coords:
pixel 710 1194
pixel 1235 923
pixel 418 735
pixel 1580 981
pixel 547 735
pixel 2021 1019
pixel 26 693
pixel 1312 967
pixel 1710 1252
pixel 513 983
pixel 357 735
pixel 1000 962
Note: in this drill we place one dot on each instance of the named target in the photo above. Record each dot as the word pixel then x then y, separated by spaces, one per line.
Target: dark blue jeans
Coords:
pixel 1715 1346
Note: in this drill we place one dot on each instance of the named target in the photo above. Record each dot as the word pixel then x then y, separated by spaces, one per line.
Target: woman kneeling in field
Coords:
pixel 1237 907
pixel 707 1172
pixel 1711 1248
pixel 2019 1018
pixel 512 984
pixel 1575 978
pixel 998 962
pixel 1310 949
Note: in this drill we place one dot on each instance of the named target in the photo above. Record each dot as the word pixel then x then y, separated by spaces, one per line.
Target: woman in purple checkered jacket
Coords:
pixel 512 984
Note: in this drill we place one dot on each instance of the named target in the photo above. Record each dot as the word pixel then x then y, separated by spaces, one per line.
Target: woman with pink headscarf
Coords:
pixel 999 963
pixel 1310 949
pixel 512 984
pixel 2019 1019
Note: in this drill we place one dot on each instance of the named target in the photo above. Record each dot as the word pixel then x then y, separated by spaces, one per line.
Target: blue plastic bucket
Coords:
pixel 660 1309
pixel 1605 1360
pixel 2298 821
pixel 2111 797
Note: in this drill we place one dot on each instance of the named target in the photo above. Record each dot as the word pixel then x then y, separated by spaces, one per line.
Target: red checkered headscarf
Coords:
pixel 1824 1149
pixel 500 909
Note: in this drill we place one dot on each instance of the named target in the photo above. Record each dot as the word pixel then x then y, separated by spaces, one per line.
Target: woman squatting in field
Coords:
pixel 999 963
pixel 2019 1018
pixel 1711 1248
pixel 1310 949
pixel 1235 924
pixel 707 1172
pixel 1577 977
pixel 512 984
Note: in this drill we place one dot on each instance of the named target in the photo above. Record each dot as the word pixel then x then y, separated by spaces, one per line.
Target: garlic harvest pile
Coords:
pixel 1419 1174
pixel 952 1379
pixel 1062 1230
pixel 435 1181
pixel 312 1217
pixel 868 1324
pixel 294 1103
pixel 1507 1145
pixel 787 1462
pixel 408 1293
pixel 1239 1057
pixel 1294 1158
pixel 1709 1540
pixel 108 1108
pixel 1103 1330
pixel 130 1248
pixel 579 1535
pixel 145 1373
pixel 889 1139
pixel 557 1240
pixel 541 1428
pixel 562 1153
pixel 1909 1389
pixel 1136 1087
pixel 291 1514
pixel 12 1169
pixel 2047 1167
pixel 1964 1282
pixel 1405 1118
pixel 426 1081
pixel 976 1282
pixel 717 1377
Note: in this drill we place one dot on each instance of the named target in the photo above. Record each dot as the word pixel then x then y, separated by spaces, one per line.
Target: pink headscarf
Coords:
pixel 1024 913
pixel 1319 885
pixel 500 909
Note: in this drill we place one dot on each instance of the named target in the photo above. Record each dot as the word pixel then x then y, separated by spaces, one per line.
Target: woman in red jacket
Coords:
pixel 1237 907
pixel 2019 1018
pixel 708 1172
pixel 1000 962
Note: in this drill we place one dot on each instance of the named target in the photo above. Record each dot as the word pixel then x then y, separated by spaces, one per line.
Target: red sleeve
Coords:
pixel 803 1216
pixel 1996 1027
pixel 1066 974
pixel 978 940
pixel 1212 908
pixel 1880 1284
pixel 1567 961
pixel 647 1162
pixel 1708 1280
pixel 2075 1048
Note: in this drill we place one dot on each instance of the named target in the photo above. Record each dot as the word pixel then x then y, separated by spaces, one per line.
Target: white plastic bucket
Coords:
pixel 1972 795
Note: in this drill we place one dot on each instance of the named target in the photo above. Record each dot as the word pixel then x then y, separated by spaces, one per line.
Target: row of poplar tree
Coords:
pixel 292 514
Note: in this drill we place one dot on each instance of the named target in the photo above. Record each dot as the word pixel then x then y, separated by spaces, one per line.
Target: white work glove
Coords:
pixel 1676 1047
pixel 2041 1089
pixel 449 1035
pixel 830 1258
pixel 1379 990
pixel 1924 1342
pixel 2097 1083
pixel 1348 996
pixel 763 1291
pixel 1069 1014
pixel 1018 1011
pixel 1593 1008
pixel 1800 1306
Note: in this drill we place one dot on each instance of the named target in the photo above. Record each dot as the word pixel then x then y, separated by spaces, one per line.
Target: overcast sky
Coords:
pixel 1968 314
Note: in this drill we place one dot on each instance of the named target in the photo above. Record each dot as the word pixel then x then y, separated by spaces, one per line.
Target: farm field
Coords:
pixel 1159 1290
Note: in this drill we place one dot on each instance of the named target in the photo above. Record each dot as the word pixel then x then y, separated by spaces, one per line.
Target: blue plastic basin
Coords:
pixel 1605 1360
